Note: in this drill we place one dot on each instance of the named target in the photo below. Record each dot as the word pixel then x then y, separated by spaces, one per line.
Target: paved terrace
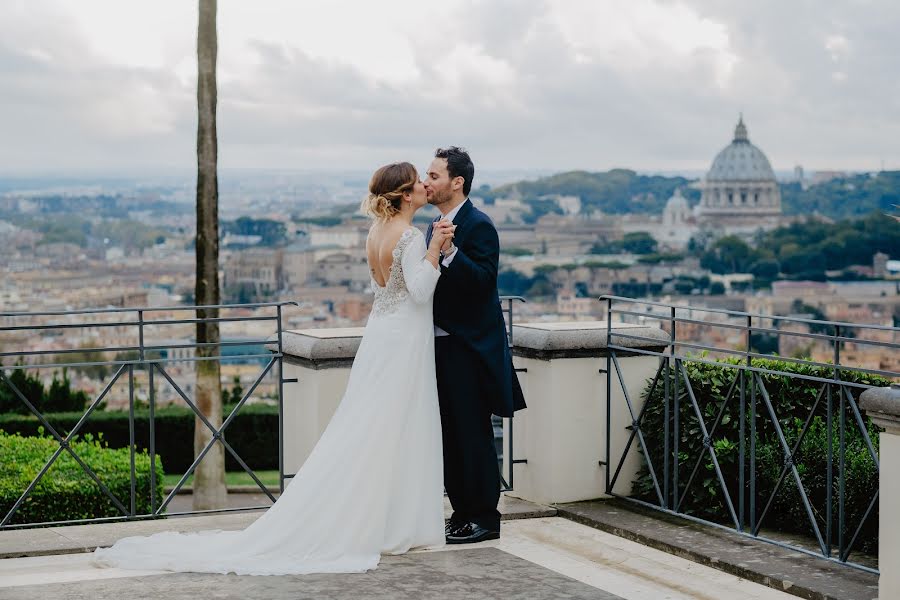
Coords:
pixel 539 555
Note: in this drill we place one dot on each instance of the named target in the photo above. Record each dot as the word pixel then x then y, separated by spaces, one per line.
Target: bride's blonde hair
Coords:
pixel 386 189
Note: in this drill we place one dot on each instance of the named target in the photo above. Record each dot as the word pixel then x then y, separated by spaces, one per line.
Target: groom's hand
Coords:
pixel 447 228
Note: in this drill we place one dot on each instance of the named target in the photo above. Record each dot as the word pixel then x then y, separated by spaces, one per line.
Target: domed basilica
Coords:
pixel 740 189
pixel 739 196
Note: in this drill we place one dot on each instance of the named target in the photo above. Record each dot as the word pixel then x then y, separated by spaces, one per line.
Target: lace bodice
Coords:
pixel 411 275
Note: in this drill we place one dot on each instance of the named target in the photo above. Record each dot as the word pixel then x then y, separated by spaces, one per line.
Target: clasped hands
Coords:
pixel 442 233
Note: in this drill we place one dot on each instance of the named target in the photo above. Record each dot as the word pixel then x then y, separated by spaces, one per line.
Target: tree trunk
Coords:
pixel 209 478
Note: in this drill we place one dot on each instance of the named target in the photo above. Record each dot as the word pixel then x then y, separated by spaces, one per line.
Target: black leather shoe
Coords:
pixel 450 527
pixel 471 533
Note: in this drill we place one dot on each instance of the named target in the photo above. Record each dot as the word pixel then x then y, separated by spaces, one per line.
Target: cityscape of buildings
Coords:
pixel 318 260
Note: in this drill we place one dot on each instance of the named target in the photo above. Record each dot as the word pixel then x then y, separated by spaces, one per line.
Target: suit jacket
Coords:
pixel 466 305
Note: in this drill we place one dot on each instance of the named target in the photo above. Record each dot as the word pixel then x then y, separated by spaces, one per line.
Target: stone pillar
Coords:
pixel 320 361
pixel 882 405
pixel 562 433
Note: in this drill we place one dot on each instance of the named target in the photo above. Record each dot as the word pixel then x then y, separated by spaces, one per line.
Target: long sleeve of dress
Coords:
pixel 420 275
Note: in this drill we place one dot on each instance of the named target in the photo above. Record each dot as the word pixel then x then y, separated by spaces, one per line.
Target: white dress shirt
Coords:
pixel 449 258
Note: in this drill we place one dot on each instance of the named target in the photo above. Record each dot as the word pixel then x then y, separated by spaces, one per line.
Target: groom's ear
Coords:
pixel 457 183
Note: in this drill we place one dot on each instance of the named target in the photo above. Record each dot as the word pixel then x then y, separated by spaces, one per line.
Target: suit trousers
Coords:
pixel 471 472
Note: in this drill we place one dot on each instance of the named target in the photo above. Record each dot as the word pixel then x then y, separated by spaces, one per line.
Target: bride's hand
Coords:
pixel 442 233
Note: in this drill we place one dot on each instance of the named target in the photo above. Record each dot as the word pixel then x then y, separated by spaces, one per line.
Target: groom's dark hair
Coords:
pixel 458 165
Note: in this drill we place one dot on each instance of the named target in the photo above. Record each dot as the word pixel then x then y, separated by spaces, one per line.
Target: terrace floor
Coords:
pixel 538 556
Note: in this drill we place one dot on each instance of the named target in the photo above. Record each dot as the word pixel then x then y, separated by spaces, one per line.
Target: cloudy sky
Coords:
pixel 654 85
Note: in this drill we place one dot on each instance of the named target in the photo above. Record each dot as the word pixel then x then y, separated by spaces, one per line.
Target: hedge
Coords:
pixel 253 433
pixel 66 491
pixel 792 399
pixel 59 396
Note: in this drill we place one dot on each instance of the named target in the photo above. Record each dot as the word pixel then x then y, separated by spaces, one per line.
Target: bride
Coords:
pixel 374 482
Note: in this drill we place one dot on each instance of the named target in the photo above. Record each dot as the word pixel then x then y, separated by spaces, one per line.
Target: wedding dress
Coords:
pixel 372 485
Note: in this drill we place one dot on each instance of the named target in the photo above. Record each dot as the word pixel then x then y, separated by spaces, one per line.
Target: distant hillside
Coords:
pixel 616 192
pixel 850 196
pixel 623 191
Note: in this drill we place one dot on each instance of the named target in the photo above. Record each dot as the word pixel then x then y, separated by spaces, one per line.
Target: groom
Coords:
pixel 475 375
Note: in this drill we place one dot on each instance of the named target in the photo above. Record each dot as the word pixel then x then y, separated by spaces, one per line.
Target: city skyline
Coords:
pixel 651 86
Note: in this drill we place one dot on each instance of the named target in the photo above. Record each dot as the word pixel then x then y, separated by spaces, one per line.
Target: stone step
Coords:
pixel 780 568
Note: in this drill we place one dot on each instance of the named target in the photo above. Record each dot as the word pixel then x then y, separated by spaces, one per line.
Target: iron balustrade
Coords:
pixel 748 396
pixel 506 481
pixel 154 359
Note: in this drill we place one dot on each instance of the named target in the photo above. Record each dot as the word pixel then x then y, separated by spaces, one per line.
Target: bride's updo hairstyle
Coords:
pixel 386 189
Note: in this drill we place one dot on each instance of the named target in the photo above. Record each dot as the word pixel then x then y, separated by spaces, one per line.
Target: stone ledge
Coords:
pixel 580 339
pixel 770 565
pixel 882 405
pixel 319 348
pixel 336 347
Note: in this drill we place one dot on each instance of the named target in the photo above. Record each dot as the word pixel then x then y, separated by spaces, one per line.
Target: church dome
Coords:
pixel 741 160
pixel 677 202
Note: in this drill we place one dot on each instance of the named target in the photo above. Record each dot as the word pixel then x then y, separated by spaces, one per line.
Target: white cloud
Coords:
pixel 650 84
pixel 469 75
pixel 374 37
pixel 837 45
pixel 642 34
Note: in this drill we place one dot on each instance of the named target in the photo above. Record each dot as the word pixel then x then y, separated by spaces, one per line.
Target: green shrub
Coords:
pixel 66 491
pixel 792 399
pixel 59 397
pixel 253 433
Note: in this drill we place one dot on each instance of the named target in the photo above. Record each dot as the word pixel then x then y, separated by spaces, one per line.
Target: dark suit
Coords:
pixel 475 374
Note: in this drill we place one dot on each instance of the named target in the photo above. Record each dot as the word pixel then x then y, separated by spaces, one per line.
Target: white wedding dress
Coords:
pixel 374 482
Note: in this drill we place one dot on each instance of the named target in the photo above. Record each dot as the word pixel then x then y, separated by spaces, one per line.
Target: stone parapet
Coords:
pixel 330 348
pixel 562 435
pixel 582 339
pixel 560 438
pixel 320 348
pixel 882 405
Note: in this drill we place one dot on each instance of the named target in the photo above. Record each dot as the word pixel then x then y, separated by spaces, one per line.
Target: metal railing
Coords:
pixel 153 358
pixel 687 419
pixel 506 480
pixel 146 327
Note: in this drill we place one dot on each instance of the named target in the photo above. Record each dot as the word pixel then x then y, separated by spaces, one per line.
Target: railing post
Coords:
pixel 752 515
pixel 280 403
pixel 742 442
pixel 675 407
pixel 829 425
pixel 131 446
pixel 508 459
pixel 609 355
pixel 842 450
pixel 667 409
pixel 151 401
pixel 882 405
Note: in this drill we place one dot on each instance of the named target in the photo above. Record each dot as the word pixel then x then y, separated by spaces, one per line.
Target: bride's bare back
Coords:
pixel 383 238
